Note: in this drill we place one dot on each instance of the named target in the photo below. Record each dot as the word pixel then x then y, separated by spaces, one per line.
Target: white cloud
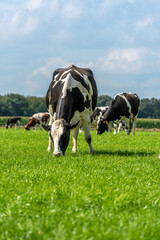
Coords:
pixel 131 1
pixel 23 18
pixel 47 69
pixel 34 5
pixel 144 23
pixel 71 10
pixel 15 20
pixel 54 63
pixel 127 60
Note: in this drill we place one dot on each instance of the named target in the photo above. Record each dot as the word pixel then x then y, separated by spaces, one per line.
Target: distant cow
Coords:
pixel 125 106
pixel 37 118
pixel 13 120
pixel 71 99
pixel 97 114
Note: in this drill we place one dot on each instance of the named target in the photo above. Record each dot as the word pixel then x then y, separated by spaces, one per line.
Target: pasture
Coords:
pixel 113 194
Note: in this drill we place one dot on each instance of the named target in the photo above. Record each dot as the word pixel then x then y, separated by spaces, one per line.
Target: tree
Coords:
pixel 104 100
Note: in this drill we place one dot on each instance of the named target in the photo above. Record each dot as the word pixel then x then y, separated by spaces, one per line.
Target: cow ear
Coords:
pixel 71 125
pixel 46 127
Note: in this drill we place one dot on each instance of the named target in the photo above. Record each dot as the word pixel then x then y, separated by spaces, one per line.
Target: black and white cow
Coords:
pixel 71 99
pixel 125 106
pixel 97 114
pixel 13 120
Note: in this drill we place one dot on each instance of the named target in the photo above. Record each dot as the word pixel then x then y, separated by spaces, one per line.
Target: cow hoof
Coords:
pixel 92 152
pixel 49 150
pixel 57 154
pixel 74 150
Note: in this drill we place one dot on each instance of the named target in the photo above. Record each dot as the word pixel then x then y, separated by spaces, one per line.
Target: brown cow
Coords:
pixel 37 118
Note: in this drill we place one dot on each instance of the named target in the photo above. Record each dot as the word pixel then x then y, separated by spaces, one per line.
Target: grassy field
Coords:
pixel 113 194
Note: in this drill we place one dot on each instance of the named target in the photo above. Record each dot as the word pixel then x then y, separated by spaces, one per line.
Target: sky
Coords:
pixel 118 40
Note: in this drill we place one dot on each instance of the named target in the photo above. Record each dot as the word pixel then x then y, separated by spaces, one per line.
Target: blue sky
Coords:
pixel 119 40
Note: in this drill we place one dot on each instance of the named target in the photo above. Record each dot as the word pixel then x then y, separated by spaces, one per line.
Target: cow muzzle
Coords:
pixel 57 154
pixel 98 132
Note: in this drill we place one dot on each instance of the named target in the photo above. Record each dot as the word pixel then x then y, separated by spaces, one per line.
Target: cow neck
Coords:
pixel 64 109
pixel 112 115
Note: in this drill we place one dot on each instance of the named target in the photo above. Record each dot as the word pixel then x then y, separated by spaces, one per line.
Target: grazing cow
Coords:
pixel 37 118
pixel 13 120
pixel 97 114
pixel 125 106
pixel 71 99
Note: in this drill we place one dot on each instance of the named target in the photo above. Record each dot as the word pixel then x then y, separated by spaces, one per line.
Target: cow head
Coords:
pixel 26 127
pixel 59 132
pixel 102 126
pixel 32 122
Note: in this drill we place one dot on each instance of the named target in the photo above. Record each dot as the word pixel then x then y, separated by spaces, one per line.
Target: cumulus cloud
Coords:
pixel 40 77
pixel 23 18
pixel 144 23
pixel 70 10
pixel 123 60
pixel 15 20
pixel 47 69
pixel 54 63
pixel 34 5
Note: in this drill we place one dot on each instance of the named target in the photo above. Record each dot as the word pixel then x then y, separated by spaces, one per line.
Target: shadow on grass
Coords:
pixel 123 153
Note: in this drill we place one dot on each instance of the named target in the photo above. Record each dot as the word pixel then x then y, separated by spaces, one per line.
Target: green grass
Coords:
pixel 113 194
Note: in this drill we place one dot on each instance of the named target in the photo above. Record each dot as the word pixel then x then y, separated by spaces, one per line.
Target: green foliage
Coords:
pixel 18 105
pixel 104 100
pixel 113 194
pixel 149 108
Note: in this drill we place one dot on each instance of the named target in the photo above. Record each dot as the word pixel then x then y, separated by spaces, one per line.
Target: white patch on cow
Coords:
pixel 70 83
pixel 103 108
pixel 60 79
pixel 56 132
pixel 39 115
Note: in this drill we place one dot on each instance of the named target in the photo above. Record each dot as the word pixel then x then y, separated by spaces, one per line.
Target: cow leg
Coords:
pixel 109 127
pixel 134 124
pixel 128 126
pixel 87 135
pixel 119 127
pixel 19 123
pixel 40 125
pixel 115 128
pixel 49 149
pixel 75 132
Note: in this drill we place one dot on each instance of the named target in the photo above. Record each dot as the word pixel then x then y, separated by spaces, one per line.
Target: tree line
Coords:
pixel 19 105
